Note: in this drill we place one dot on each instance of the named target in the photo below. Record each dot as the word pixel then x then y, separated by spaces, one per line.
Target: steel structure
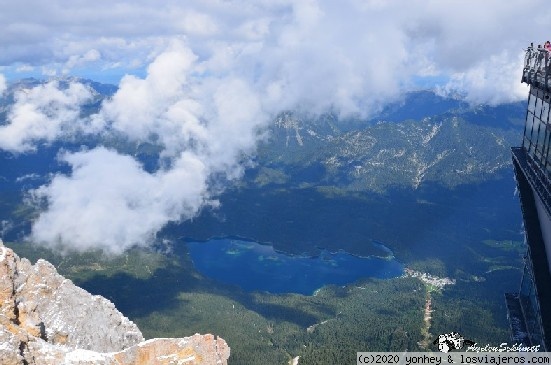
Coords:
pixel 529 310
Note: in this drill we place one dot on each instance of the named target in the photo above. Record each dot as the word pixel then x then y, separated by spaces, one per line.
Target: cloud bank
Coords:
pixel 200 80
pixel 109 202
pixel 205 126
pixel 350 51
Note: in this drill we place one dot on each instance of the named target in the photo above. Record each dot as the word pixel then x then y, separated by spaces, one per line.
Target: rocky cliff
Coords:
pixel 46 320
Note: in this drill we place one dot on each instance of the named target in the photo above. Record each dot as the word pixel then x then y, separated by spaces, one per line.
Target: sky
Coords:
pixel 201 79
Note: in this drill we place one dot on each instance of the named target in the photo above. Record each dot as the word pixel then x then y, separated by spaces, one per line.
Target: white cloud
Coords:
pixel 109 202
pixel 144 107
pixel 49 71
pixel 195 23
pixel 495 81
pixel 80 60
pixel 356 53
pixel 24 68
pixel 184 106
pixel 42 113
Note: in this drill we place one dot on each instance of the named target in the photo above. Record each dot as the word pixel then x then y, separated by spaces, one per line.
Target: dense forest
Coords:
pixel 166 297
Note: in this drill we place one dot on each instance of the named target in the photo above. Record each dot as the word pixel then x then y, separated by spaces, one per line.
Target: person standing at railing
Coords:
pixel 546 66
pixel 547 48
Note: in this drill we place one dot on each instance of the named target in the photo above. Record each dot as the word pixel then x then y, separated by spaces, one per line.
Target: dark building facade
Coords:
pixel 529 310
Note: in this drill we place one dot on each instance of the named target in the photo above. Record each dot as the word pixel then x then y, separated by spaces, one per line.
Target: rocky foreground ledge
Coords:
pixel 47 320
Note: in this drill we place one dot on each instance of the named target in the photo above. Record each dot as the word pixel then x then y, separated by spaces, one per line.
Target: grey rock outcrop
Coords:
pixel 45 319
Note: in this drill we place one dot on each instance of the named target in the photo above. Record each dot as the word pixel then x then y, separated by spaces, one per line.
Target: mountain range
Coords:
pixel 429 177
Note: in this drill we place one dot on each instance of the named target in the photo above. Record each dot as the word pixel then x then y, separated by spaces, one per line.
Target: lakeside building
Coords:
pixel 529 310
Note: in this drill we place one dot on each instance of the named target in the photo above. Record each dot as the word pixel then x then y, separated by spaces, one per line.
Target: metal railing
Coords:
pixel 538 178
pixel 537 63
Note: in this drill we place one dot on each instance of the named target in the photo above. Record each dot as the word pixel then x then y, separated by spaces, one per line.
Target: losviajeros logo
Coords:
pixel 451 341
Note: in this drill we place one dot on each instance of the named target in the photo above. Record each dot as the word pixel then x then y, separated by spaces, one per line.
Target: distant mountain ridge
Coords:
pixel 425 137
pixel 450 146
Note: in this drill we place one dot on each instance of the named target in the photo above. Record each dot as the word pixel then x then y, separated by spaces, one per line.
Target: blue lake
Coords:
pixel 256 267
